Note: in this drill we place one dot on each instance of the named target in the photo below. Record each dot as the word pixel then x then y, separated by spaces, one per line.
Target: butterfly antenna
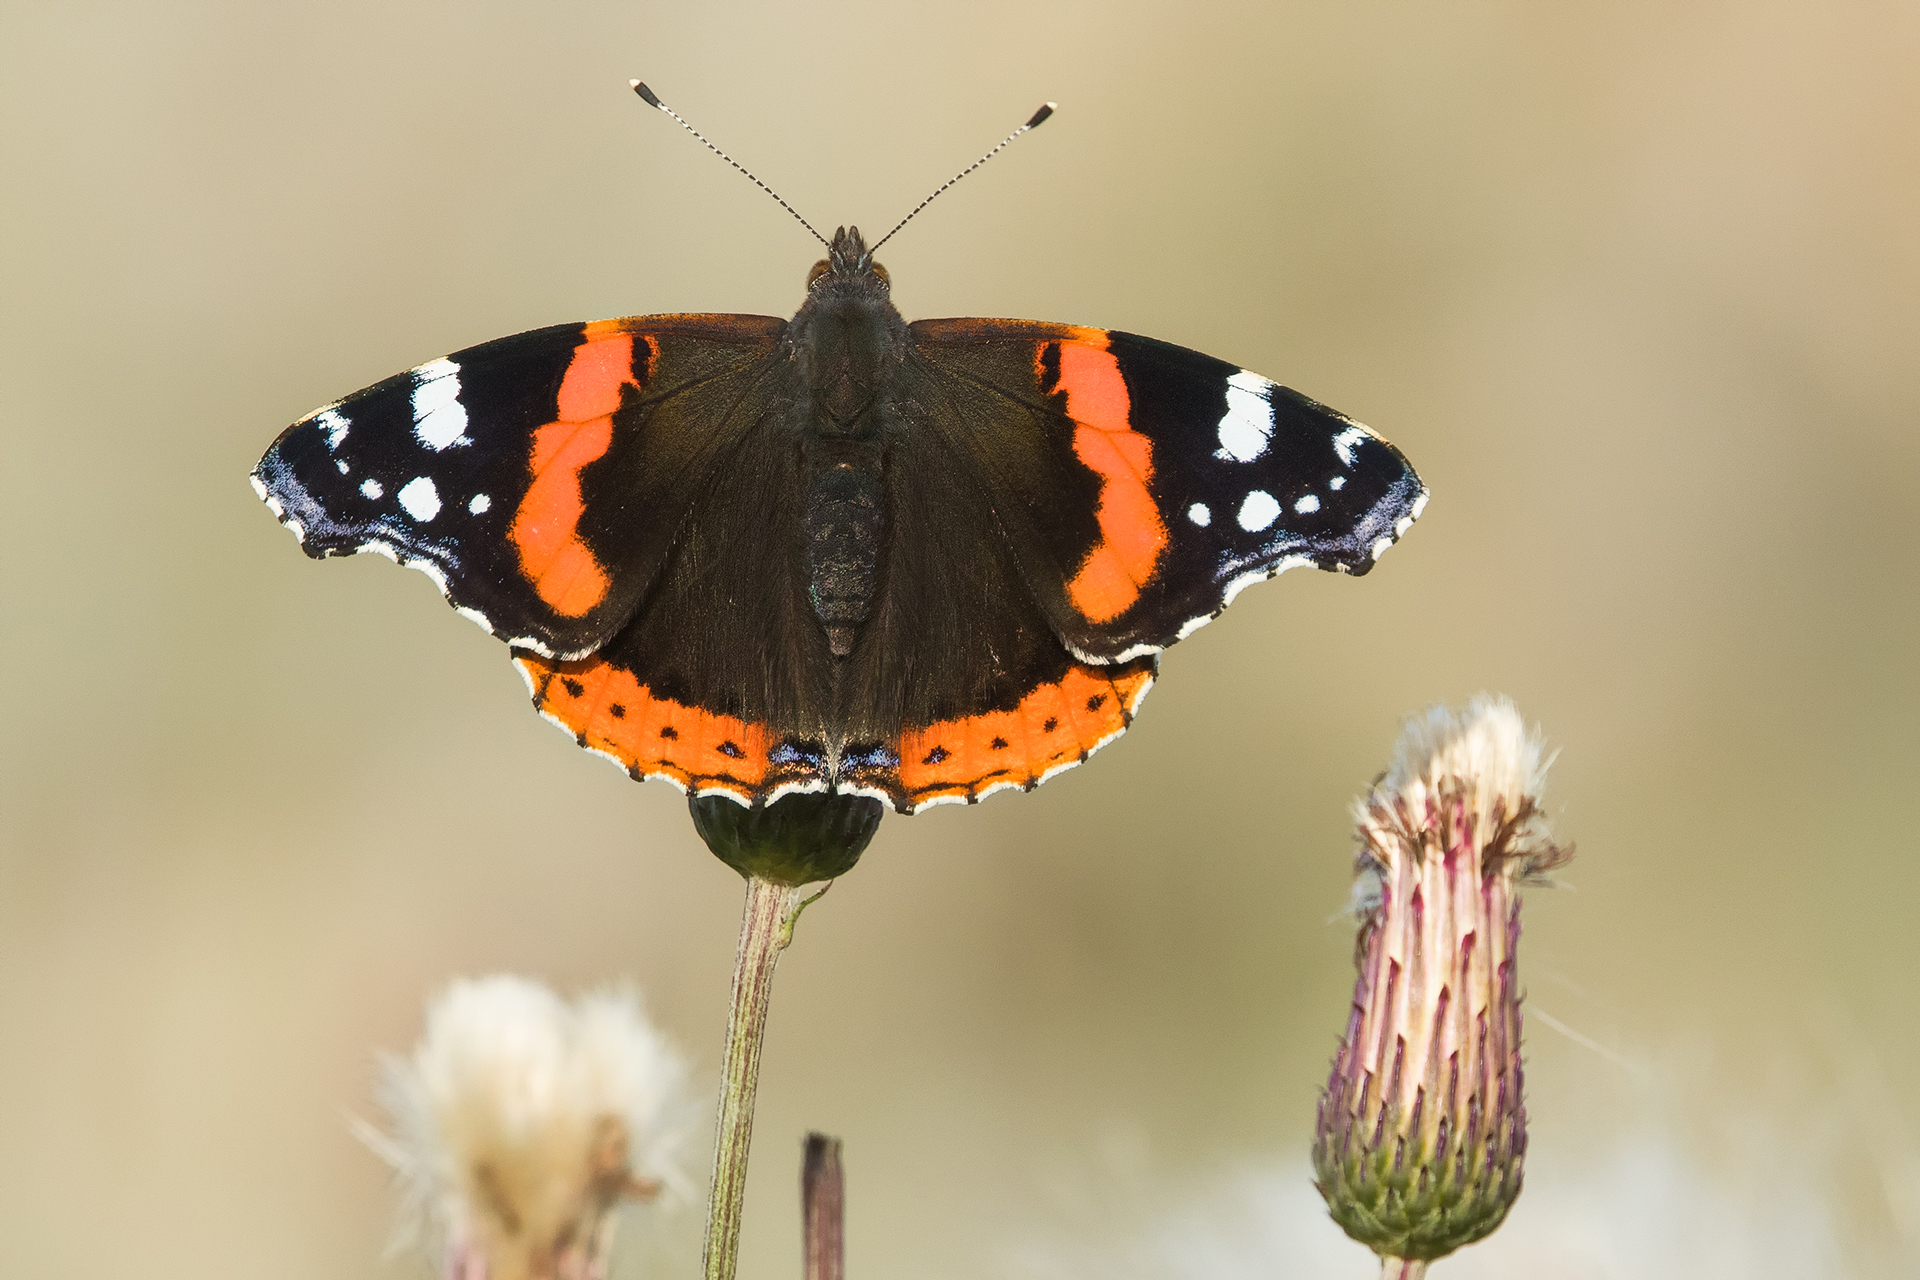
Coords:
pixel 647 96
pixel 1039 118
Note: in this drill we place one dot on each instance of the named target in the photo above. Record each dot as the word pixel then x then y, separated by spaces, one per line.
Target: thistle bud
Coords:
pixel 798 839
pixel 1422 1129
pixel 520 1122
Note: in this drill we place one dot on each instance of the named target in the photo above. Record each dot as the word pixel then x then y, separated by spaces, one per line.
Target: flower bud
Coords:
pixel 798 839
pixel 1422 1129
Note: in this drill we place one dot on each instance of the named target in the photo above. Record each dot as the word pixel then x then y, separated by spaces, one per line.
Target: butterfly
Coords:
pixel 839 553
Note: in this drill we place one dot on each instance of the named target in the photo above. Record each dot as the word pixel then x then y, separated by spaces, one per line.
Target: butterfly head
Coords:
pixel 849 268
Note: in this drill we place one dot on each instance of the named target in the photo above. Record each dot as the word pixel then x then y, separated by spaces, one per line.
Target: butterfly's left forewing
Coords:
pixel 539 479
pixel 1141 484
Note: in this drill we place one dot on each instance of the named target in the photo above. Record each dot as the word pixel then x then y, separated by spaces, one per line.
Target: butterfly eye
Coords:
pixel 885 279
pixel 819 269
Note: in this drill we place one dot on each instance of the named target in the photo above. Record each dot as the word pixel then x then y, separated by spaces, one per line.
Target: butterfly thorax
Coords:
pixel 848 340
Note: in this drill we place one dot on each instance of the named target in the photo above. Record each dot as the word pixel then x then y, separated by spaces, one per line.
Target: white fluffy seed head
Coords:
pixel 1475 775
pixel 520 1120
pixel 1488 743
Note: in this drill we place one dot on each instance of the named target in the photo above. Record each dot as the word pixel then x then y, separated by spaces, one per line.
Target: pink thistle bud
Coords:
pixel 1422 1130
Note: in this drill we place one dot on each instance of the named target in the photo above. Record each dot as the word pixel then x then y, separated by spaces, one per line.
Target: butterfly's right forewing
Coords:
pixel 1141 484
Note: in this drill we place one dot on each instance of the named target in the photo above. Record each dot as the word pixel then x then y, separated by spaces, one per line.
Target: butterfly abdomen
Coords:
pixel 843 526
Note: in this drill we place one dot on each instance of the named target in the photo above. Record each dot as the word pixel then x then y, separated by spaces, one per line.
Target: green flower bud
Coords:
pixel 798 839
pixel 1422 1131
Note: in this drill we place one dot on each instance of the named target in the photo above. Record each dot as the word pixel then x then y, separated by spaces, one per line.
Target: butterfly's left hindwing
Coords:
pixel 1141 484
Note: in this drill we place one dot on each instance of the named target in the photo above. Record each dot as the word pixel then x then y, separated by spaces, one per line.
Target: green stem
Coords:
pixel 766 926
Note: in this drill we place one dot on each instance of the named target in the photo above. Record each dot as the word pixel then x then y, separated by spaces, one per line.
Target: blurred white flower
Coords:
pixel 520 1122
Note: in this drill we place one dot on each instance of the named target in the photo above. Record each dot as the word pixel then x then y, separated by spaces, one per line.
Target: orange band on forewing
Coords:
pixel 1096 393
pixel 591 387
pixel 546 526
pixel 1132 534
pixel 613 712
pixel 1056 725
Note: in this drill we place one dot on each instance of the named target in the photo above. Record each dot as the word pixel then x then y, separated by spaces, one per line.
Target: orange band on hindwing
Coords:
pixel 1132 535
pixel 1055 727
pixel 546 526
pixel 610 711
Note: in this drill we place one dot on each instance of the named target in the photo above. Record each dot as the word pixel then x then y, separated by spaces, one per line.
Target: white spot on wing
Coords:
pixel 481 502
pixel 608 756
pixel 1246 580
pixel 1307 505
pixel 1192 625
pixel 1258 511
pixel 439 419
pixel 1199 514
pixel 1337 483
pixel 342 464
pixel 1125 655
pixel 259 489
pixel 432 570
pixel 1380 548
pixel 420 498
pixel 813 787
pixel 371 488
pixel 1344 442
pixel 1419 504
pixel 940 799
pixel 1247 424
pixel 335 424
pixel 1056 770
pixel 279 511
pixel 540 647
pixel 526 673
pixel 716 789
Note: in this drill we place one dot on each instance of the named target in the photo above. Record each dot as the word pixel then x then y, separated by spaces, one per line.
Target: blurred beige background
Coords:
pixel 1636 286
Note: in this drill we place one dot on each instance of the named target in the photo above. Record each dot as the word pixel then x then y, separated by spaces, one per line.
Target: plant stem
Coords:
pixel 766 926
pixel 822 1211
pixel 1402 1269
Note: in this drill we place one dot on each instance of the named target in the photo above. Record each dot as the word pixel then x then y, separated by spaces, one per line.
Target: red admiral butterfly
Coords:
pixel 919 562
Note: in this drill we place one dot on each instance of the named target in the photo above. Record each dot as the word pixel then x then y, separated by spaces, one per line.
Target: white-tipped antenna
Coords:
pixel 647 96
pixel 1039 118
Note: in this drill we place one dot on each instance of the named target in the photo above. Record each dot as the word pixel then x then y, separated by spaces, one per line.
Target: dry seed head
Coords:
pixel 1482 766
pixel 520 1121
